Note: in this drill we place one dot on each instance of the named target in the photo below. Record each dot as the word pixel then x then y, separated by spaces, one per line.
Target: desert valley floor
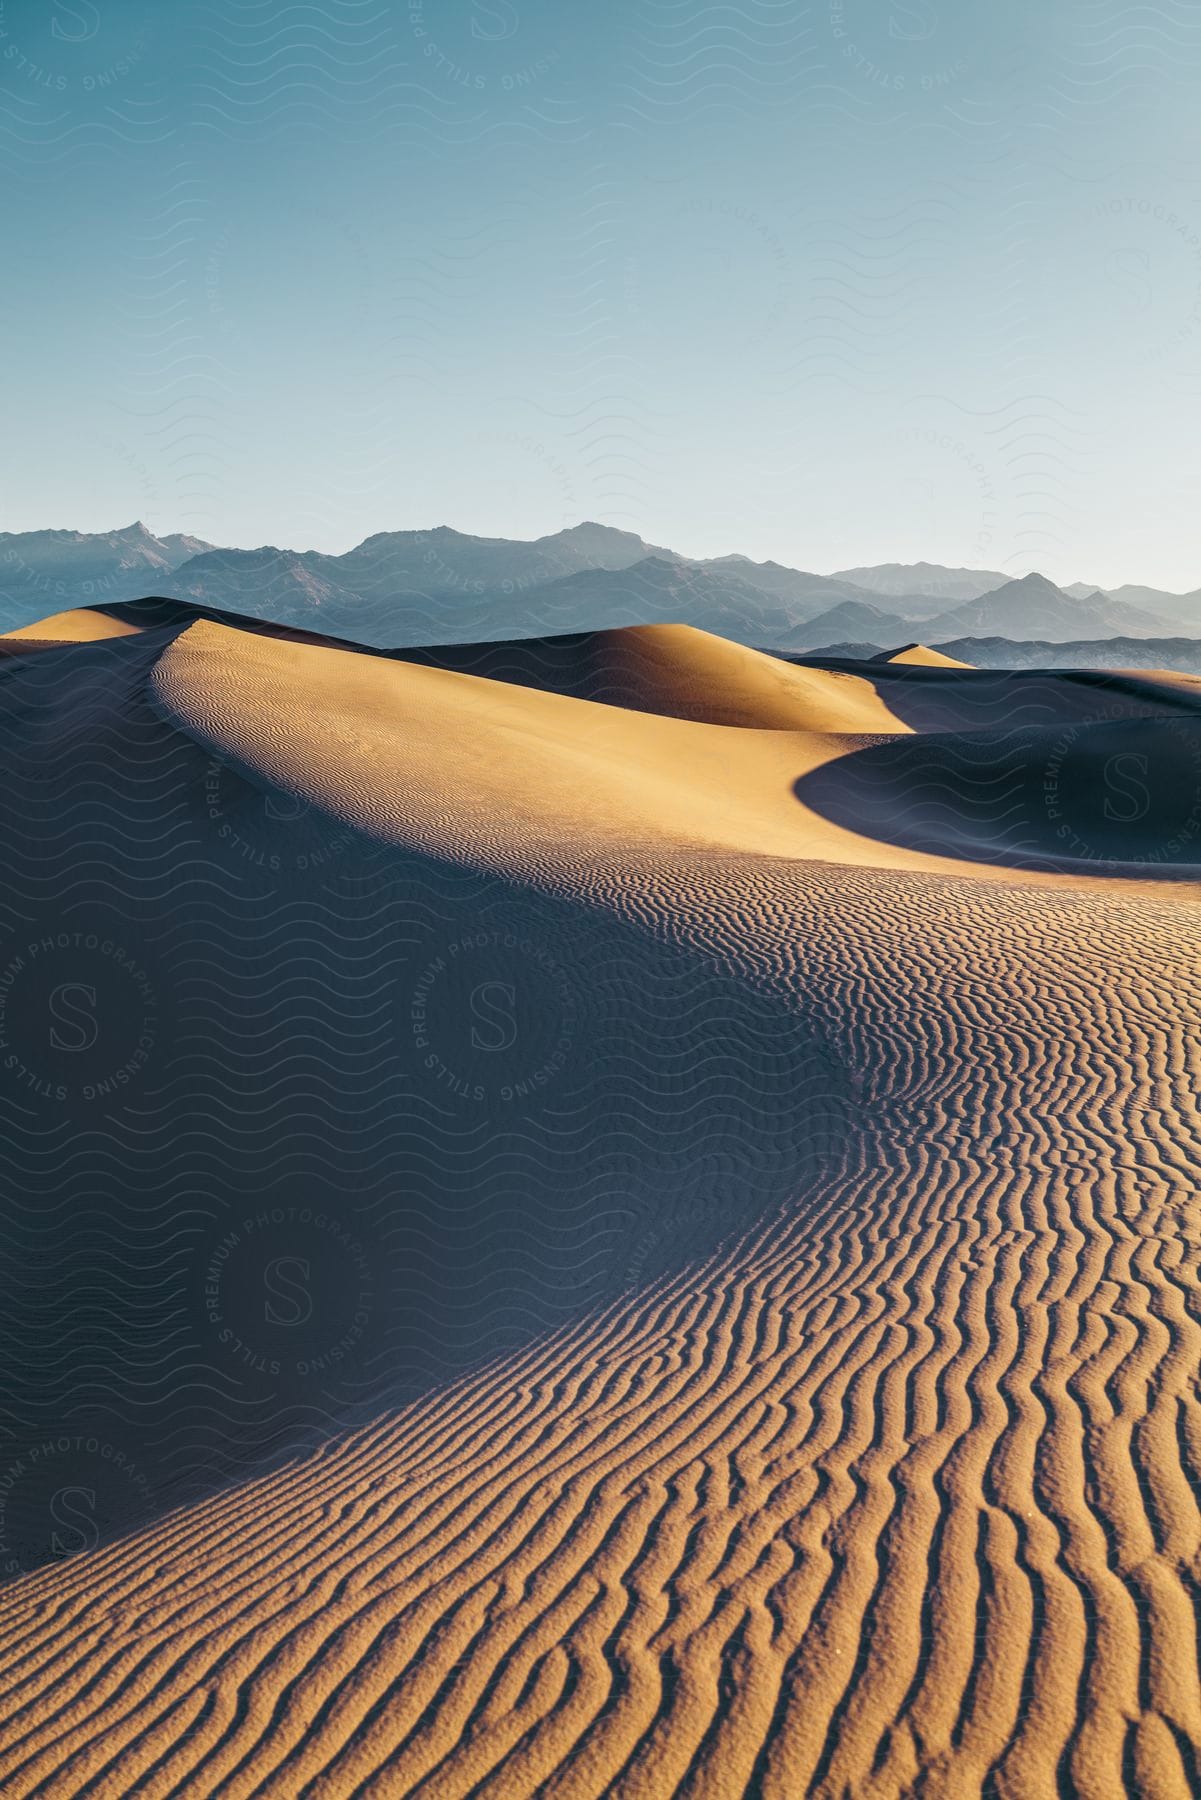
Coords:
pixel 769 1370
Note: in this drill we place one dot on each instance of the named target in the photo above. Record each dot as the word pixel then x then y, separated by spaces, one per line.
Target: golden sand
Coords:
pixel 80 625
pixel 919 656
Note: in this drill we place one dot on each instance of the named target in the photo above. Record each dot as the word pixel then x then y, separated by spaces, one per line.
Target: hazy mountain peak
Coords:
pixel 657 563
pixel 1031 607
pixel 184 544
pixel 931 580
pixel 748 562
pixel 592 545
pixel 588 531
pixel 1033 583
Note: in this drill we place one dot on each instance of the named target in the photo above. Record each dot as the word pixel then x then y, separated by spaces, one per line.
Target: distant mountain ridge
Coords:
pixel 898 579
pixel 1179 654
pixel 796 586
pixel 401 588
pixel 855 621
pixel 1181 609
pixel 1034 607
pixel 76 566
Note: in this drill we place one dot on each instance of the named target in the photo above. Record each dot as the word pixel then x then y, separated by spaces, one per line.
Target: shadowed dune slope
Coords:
pixel 288 1021
pixel 1111 796
pixel 884 1485
pixel 934 698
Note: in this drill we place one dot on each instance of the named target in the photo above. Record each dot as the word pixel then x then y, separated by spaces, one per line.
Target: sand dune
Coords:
pixel 511 799
pixel 681 673
pixel 80 625
pixel 883 1483
pixel 921 656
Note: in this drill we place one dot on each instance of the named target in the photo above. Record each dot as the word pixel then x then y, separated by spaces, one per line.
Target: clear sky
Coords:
pixel 859 281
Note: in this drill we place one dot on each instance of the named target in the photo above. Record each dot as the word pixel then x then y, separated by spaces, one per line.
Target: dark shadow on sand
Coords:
pixel 298 1126
pixel 1118 797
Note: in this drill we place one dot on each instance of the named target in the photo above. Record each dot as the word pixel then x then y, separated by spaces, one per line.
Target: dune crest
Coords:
pixel 681 673
pixel 79 625
pixel 921 656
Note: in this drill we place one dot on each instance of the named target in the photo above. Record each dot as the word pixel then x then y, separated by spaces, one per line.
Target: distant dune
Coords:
pixel 770 1369
pixel 1180 653
pixel 919 654
pixel 81 625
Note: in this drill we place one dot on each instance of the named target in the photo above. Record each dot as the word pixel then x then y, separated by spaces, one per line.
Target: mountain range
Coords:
pixel 1180 654
pixel 1179 609
pixel 415 587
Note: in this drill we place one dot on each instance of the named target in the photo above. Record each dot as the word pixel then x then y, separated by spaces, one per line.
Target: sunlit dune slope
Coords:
pixel 81 625
pixel 537 778
pixel 919 655
pixel 680 672
pixel 534 777
pixel 1165 680
pixel 157 613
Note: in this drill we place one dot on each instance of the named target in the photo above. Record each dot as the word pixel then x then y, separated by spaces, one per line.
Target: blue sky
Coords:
pixel 835 284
